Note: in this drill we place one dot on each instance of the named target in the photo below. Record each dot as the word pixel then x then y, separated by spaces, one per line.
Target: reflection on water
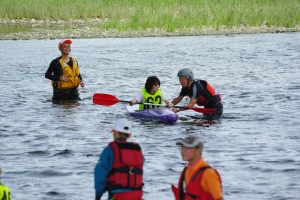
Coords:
pixel 67 104
pixel 48 150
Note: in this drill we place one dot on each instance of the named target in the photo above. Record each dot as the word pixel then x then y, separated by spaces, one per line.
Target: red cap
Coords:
pixel 64 41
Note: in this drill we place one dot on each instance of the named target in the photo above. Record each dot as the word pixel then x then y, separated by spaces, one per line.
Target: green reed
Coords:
pixel 169 15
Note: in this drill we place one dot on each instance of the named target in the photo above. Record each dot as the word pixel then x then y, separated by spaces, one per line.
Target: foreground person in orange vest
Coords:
pixel 65 74
pixel 198 181
pixel 120 167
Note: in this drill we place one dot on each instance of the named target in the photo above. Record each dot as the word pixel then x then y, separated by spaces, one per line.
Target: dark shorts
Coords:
pixel 65 94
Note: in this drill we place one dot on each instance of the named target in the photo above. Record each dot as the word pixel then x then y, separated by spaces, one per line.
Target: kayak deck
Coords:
pixel 163 114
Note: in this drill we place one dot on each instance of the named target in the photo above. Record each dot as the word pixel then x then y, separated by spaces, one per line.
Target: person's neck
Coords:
pixel 193 162
pixel 189 84
pixel 120 139
pixel 65 57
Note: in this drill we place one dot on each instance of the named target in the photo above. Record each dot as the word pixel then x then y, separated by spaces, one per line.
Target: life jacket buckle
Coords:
pixel 131 170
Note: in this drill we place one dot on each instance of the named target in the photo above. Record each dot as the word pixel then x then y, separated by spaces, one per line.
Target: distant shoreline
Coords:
pixel 91 29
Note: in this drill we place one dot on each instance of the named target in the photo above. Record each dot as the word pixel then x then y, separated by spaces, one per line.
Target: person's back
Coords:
pixel 120 167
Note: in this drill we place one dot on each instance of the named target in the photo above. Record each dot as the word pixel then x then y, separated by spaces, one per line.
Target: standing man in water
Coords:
pixel 65 74
pixel 198 180
pixel 200 92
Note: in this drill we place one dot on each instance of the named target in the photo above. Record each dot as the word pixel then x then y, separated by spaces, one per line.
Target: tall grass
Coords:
pixel 169 15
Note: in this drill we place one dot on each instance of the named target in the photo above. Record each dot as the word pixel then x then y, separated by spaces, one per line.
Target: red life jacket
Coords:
pixel 209 93
pixel 127 168
pixel 193 190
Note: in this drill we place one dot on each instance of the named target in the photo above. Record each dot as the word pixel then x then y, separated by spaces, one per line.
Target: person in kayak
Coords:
pixel 151 94
pixel 4 191
pixel 65 74
pixel 197 180
pixel 120 167
pixel 200 92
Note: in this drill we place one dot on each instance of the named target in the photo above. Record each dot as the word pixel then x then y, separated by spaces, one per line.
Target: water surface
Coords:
pixel 49 150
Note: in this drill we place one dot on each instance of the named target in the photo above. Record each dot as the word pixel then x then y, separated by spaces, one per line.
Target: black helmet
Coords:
pixel 186 73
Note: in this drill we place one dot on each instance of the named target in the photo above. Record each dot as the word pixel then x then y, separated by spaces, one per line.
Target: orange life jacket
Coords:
pixel 127 168
pixel 193 190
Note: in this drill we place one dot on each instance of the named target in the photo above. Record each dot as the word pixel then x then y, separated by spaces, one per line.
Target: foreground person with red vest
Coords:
pixel 120 167
pixel 200 92
pixel 198 181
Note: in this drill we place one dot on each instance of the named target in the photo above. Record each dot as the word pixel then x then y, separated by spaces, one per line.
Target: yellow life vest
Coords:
pixel 150 98
pixel 4 193
pixel 72 74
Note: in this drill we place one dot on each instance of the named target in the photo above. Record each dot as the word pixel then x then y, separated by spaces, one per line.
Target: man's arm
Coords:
pixel 192 103
pixel 102 170
pixel 50 71
pixel 177 100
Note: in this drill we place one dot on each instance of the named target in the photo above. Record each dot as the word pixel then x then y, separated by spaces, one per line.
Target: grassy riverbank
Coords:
pixel 166 15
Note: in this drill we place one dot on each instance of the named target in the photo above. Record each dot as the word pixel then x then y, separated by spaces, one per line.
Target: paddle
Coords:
pixel 109 100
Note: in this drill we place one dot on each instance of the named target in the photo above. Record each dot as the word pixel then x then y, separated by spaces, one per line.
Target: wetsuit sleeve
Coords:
pixel 80 77
pixel 211 183
pixel 102 170
pixel 53 72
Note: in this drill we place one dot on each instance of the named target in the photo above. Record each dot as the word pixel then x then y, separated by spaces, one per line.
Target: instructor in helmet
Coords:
pixel 200 92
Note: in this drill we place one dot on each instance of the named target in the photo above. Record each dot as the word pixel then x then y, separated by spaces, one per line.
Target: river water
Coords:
pixel 49 150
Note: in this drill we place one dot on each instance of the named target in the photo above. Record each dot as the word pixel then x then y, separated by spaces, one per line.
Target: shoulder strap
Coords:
pixel 198 172
pixel 207 93
pixel 115 147
pixel 118 146
pixel 181 189
pixel 71 62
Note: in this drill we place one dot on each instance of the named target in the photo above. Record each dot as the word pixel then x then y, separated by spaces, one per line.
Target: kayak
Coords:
pixel 163 114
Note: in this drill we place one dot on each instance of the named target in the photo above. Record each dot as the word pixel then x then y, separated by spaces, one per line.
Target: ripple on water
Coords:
pixel 48 150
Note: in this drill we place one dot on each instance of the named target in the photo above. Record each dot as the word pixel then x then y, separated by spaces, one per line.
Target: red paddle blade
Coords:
pixel 105 99
pixel 204 110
